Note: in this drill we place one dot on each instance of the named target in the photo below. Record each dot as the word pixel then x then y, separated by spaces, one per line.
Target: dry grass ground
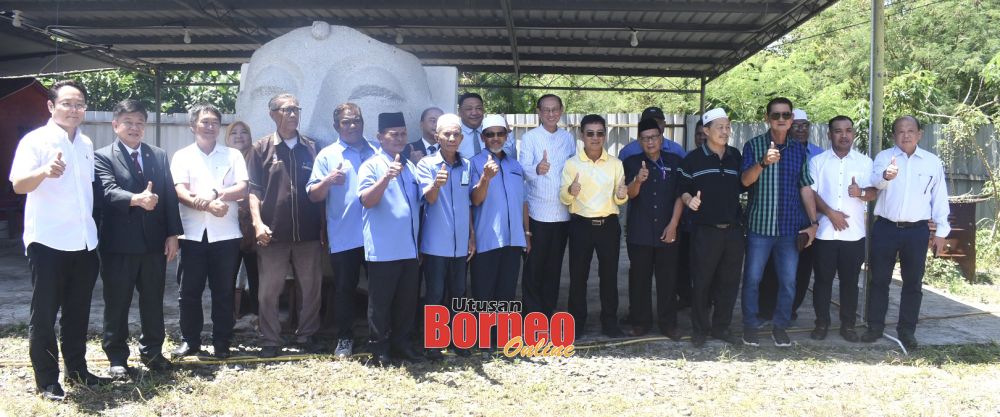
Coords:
pixel 654 379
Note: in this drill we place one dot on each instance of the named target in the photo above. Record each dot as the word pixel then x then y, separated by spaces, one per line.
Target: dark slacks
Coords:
pixel 494 274
pixel 392 299
pixel 843 259
pixel 543 266
pixel 444 279
pixel 645 261
pixel 214 263
pixel 346 273
pixel 586 237
pixel 59 280
pixel 122 274
pixel 685 285
pixel 910 245
pixel 716 265
pixel 248 302
pixel 768 297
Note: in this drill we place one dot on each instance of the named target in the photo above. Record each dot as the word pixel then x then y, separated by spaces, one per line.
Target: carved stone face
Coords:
pixel 327 65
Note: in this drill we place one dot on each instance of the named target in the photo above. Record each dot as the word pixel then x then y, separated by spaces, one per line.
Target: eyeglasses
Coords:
pixel 491 135
pixel 348 122
pixel 289 110
pixel 65 105
pixel 130 125
pixel 209 123
pixel 648 138
pixel 784 115
pixel 591 133
pixel 550 110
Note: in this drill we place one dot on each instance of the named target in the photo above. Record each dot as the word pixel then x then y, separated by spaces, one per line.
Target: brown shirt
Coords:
pixel 278 177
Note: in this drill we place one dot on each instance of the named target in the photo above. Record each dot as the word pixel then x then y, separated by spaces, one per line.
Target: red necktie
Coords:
pixel 135 161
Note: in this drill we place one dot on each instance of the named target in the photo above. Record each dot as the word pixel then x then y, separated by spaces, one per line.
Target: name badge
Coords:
pixel 465 177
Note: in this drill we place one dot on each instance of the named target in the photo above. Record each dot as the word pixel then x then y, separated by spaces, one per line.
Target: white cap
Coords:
pixel 712 115
pixel 494 120
pixel 449 119
pixel 799 115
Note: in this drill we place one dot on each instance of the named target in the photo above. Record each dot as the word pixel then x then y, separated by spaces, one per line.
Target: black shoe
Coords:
pixel 87 379
pixel 724 335
pixel 222 352
pixel 345 348
pixel 674 333
pixel 157 363
pixel 819 333
pixel 698 340
pixel 908 340
pixel 795 316
pixel 268 352
pixel 434 354
pixel 750 337
pixel 121 372
pixel 613 331
pixel 780 338
pixel 871 335
pixel 186 350
pixel 308 345
pixel 53 392
pixel 848 333
pixel 462 353
pixel 639 330
pixel 408 354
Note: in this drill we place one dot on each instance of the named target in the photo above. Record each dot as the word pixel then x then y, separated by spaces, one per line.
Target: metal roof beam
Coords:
pixel 579 71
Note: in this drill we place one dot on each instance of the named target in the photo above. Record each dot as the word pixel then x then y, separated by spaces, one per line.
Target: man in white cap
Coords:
pixel 499 215
pixel 711 189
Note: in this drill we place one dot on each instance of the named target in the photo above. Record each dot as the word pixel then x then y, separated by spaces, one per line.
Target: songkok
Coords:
pixel 389 120
pixel 652 112
pixel 648 123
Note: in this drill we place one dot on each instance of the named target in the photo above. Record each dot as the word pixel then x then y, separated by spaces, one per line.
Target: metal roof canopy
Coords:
pixel 687 39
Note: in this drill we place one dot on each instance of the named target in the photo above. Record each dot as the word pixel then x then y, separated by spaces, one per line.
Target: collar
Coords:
pixel 128 150
pixel 426 143
pixel 439 158
pixel 919 152
pixel 51 124
pixel 708 152
pixel 583 156
pixel 345 145
pixel 276 139
pixel 469 129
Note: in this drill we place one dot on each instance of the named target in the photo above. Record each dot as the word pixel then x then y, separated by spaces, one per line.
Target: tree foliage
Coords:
pixel 106 88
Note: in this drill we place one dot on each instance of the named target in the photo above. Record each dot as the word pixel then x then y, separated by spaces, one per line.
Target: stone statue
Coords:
pixel 326 65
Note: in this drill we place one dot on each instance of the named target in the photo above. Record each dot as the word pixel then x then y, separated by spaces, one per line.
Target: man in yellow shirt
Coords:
pixel 593 186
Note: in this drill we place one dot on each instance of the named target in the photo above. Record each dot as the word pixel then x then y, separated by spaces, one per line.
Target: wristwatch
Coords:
pixel 862 193
pixel 216 192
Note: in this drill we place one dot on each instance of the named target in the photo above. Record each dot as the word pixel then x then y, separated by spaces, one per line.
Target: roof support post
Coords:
pixel 157 92
pixel 877 87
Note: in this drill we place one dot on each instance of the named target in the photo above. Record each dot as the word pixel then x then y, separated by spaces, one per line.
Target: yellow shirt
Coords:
pixel 598 180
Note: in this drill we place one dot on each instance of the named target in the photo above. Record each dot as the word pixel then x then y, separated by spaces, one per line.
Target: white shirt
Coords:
pixel 130 151
pixel 833 175
pixel 543 190
pixel 917 193
pixel 59 213
pixel 291 142
pixel 427 146
pixel 222 168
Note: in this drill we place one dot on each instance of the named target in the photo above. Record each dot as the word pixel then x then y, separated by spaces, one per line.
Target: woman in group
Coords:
pixel 238 137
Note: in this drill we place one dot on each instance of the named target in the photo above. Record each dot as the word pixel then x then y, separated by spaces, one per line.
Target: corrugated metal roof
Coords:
pixel 675 38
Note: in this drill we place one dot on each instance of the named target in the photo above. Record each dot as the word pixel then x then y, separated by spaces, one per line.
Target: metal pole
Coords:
pixel 701 102
pixel 877 85
pixel 157 90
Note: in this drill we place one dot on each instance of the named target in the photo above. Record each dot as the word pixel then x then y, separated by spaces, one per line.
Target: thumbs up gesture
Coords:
pixel 643 173
pixel 491 168
pixel 442 176
pixel 772 156
pixel 891 171
pixel 854 190
pixel 621 191
pixel 395 168
pixel 695 202
pixel 337 176
pixel 574 187
pixel 543 166
pixel 55 167
pixel 146 199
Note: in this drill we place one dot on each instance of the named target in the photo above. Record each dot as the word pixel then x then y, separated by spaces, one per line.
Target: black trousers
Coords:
pixel 248 302
pixel 346 274
pixel 644 262
pixel 59 280
pixel 768 297
pixel 444 279
pixel 494 274
pixel 909 245
pixel 716 266
pixel 123 274
pixel 685 285
pixel 843 259
pixel 543 266
pixel 392 299
pixel 214 263
pixel 586 237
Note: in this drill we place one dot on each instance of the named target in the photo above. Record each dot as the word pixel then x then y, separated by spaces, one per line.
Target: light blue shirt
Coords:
pixel 499 221
pixel 814 150
pixel 634 148
pixel 446 221
pixel 391 227
pixel 543 190
pixel 343 208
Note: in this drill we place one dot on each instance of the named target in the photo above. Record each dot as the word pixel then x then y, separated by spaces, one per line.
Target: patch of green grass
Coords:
pixel 944 274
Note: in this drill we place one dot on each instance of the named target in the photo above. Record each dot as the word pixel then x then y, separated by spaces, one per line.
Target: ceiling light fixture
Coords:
pixel 187 35
pixel 399 38
pixel 16 20
pixel 634 41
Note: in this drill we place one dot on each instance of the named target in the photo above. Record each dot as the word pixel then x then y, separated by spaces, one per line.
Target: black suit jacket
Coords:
pixel 417 145
pixel 133 230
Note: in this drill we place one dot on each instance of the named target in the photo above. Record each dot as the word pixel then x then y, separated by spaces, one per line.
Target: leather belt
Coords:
pixel 904 225
pixel 594 221
pixel 722 226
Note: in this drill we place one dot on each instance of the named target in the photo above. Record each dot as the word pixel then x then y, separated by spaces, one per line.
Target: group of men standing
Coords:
pixel 459 200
